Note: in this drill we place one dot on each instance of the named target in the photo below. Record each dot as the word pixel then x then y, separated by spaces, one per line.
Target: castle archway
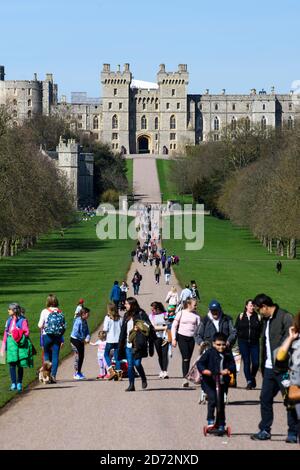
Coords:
pixel 143 144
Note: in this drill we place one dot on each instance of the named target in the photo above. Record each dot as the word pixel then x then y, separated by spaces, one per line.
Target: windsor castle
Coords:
pixel 142 117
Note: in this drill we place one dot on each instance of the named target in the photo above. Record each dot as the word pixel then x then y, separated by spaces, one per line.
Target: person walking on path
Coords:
pixel 112 326
pixel 172 297
pixel 183 331
pixel 278 267
pixel 53 325
pixel 216 322
pixel 126 350
pixel 195 291
pixel 291 348
pixel 136 282
pixel 115 294
pixel 101 343
pixel 124 289
pixel 18 347
pixel 249 327
pixel 159 322
pixel 186 294
pixel 275 331
pixel 167 272
pixel 79 336
pixel 157 273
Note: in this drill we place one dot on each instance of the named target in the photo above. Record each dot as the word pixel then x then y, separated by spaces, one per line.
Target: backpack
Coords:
pixel 55 323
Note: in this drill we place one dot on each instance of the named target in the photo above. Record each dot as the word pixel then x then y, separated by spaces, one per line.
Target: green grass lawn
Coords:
pixel 233 266
pixel 164 168
pixel 78 265
pixel 129 174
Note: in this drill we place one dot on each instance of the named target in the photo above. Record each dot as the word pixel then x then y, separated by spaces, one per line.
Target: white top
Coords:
pixel 268 363
pixel 43 317
pixel 113 329
pixel 78 310
pixel 129 328
pixel 172 298
pixel 159 320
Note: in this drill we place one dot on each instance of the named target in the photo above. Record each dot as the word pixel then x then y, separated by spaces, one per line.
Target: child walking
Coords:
pixel 101 343
pixel 216 364
pixel 79 336
pixel 112 327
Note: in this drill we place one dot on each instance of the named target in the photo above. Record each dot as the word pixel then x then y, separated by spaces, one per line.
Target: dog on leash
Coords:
pixel 45 372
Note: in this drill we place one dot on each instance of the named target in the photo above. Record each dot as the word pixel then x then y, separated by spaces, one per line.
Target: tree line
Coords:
pixel 252 177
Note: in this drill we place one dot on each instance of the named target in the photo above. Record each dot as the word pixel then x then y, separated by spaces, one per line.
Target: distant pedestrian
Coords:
pixel 101 343
pixel 124 289
pixel 172 297
pixel 194 291
pixel 279 267
pixel 136 282
pixel 167 273
pixel 157 274
pixel 79 307
pixel 158 318
pixel 132 254
pixel 115 294
pixel 186 294
pixel 112 326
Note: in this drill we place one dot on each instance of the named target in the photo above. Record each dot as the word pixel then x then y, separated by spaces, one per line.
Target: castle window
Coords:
pixel 173 92
pixel 144 105
pixel 15 114
pixel 178 105
pixel 114 136
pixel 29 114
pixel 216 124
pixel 117 146
pixel 172 136
pixel 233 124
pixel 216 137
pixel 233 107
pixel 80 126
pixel 29 102
pixel 115 91
pixel 248 106
pixel 79 116
pixel 109 105
pixel 120 105
pixel 168 105
pixel 95 122
pixel 156 136
pixel 216 107
pixel 263 123
pixel 290 106
pixel 174 146
pixel 290 123
pixel 15 91
pixel 172 122
pixel 15 102
pixel 156 105
pixel 200 107
pixel 29 91
pixel 143 122
pixel 156 123
pixel 114 121
pixel 247 124
pixel 264 107
pixel 171 146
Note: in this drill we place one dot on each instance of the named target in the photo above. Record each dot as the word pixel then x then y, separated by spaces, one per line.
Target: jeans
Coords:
pixel 13 375
pixel 162 352
pixel 108 348
pixel 78 348
pixel 186 346
pixel 157 276
pixel 250 356
pixel 271 385
pixel 167 278
pixel 137 363
pixel 52 345
pixel 136 288
pixel 209 387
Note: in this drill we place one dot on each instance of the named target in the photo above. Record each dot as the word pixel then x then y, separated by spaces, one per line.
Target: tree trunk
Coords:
pixel 270 245
pixel 279 247
pixel 292 248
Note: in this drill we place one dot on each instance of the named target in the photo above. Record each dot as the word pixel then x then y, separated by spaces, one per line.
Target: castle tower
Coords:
pixel 174 112
pixel 68 163
pixel 115 102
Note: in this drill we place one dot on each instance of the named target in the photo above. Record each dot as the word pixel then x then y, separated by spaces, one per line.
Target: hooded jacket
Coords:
pixel 207 329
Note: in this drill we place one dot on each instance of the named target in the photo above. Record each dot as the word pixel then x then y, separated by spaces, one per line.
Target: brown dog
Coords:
pixel 45 372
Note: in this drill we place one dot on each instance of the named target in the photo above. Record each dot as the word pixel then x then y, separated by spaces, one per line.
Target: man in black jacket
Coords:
pixel 216 322
pixel 275 331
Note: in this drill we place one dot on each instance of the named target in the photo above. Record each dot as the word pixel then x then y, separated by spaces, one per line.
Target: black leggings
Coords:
pixel 186 346
pixel 162 352
pixel 78 348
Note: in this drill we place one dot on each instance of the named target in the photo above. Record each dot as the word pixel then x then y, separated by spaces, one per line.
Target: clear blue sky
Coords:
pixel 226 44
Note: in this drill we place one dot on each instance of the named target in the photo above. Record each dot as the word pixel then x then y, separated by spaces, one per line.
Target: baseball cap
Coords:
pixel 214 305
pixel 81 301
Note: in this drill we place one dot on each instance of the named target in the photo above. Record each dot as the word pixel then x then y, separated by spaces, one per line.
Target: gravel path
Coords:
pixel 100 415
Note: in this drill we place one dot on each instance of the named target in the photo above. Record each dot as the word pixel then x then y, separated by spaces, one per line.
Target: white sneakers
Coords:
pixel 163 375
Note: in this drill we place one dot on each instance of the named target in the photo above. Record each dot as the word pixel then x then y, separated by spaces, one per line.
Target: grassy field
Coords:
pixel 129 174
pixel 169 191
pixel 78 265
pixel 233 266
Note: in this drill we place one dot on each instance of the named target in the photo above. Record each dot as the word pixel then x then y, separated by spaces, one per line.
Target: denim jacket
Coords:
pixel 80 329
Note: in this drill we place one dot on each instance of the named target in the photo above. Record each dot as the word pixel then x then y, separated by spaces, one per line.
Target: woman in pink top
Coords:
pixel 183 330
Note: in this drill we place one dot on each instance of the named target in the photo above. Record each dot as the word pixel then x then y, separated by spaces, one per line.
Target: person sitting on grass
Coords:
pixel 216 363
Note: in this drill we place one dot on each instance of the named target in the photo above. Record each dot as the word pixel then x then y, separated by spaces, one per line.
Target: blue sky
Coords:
pixel 226 44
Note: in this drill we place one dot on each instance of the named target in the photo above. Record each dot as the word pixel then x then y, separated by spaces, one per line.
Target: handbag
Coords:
pixel 193 374
pixel 294 393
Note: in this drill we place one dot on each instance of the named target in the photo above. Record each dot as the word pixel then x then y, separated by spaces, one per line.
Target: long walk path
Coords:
pixel 100 415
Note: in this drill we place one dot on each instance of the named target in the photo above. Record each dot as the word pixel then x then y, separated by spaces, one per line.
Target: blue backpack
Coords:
pixel 55 323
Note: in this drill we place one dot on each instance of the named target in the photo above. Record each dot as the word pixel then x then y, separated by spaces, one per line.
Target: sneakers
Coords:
pixel 161 375
pixel 144 384
pixel 291 439
pixel 52 380
pixel 210 423
pixel 185 384
pixel 79 376
pixel 165 375
pixel 253 383
pixel 13 387
pixel 261 436
pixel 100 377
pixel 19 387
pixel 249 386
pixel 131 388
